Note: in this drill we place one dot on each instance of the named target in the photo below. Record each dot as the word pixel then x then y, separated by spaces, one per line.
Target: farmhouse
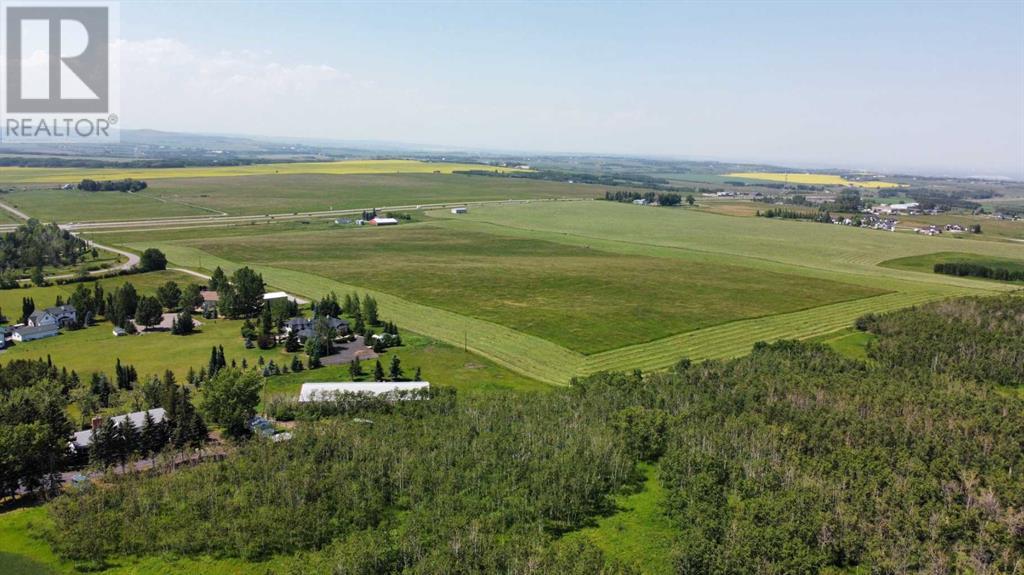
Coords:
pixel 327 391
pixel 29 332
pixel 379 221
pixel 460 210
pixel 61 315
pixel 81 440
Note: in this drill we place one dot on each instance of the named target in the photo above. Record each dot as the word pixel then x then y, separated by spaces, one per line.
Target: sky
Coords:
pixel 926 87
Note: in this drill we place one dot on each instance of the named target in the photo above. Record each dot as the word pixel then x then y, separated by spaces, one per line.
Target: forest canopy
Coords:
pixel 793 459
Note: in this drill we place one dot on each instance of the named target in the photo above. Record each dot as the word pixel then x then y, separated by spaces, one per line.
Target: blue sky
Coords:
pixel 935 87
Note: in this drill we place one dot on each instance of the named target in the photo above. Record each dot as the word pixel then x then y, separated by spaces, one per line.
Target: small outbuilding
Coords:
pixel 384 221
pixel 460 210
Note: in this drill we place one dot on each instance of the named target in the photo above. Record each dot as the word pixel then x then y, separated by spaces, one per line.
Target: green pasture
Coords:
pixel 583 299
pixel 65 206
pixel 925 263
pixel 281 194
pixel 499 281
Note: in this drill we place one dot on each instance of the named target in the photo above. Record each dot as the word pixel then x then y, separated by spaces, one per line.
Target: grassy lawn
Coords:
pixel 584 299
pixel 850 343
pixel 925 263
pixel 638 533
pixel 95 349
pixel 10 299
pixel 441 364
pixel 17 175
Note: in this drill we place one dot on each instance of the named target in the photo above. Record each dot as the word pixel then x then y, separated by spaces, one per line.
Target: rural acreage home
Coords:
pixel 60 315
pixel 81 440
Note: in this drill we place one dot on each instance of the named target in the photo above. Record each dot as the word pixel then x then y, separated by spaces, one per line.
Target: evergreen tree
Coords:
pixel 296 364
pixel 150 440
pixel 370 310
pixel 27 307
pixel 355 369
pixel 291 344
pixel 148 312
pixel 395 369
pixel 131 442
pixel 218 280
pixel 183 324
pixel 378 372
pixel 418 376
pixel 214 365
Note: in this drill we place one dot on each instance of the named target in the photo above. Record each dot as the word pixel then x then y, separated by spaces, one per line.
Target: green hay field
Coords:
pixel 512 283
pixel 257 195
pixel 925 263
pixel 586 300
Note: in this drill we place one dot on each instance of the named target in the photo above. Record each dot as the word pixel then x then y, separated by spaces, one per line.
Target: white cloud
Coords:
pixel 170 85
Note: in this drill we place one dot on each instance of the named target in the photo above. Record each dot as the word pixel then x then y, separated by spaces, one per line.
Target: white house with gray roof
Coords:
pixel 81 440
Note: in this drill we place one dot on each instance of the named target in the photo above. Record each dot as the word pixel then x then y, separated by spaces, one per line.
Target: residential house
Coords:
pixel 327 391
pixel 303 327
pixel 81 440
pixel 61 315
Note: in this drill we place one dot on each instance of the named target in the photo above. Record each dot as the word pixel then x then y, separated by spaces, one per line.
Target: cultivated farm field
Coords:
pixel 811 179
pixel 554 290
pixel 281 194
pixel 18 175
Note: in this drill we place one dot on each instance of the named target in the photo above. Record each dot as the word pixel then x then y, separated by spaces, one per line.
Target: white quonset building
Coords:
pixel 327 391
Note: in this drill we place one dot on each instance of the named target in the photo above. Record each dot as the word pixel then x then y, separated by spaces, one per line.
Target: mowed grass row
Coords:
pixel 736 338
pixel 525 354
pixel 17 175
pixel 586 300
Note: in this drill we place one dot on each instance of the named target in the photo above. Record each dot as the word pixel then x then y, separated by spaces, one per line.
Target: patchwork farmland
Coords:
pixel 556 290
